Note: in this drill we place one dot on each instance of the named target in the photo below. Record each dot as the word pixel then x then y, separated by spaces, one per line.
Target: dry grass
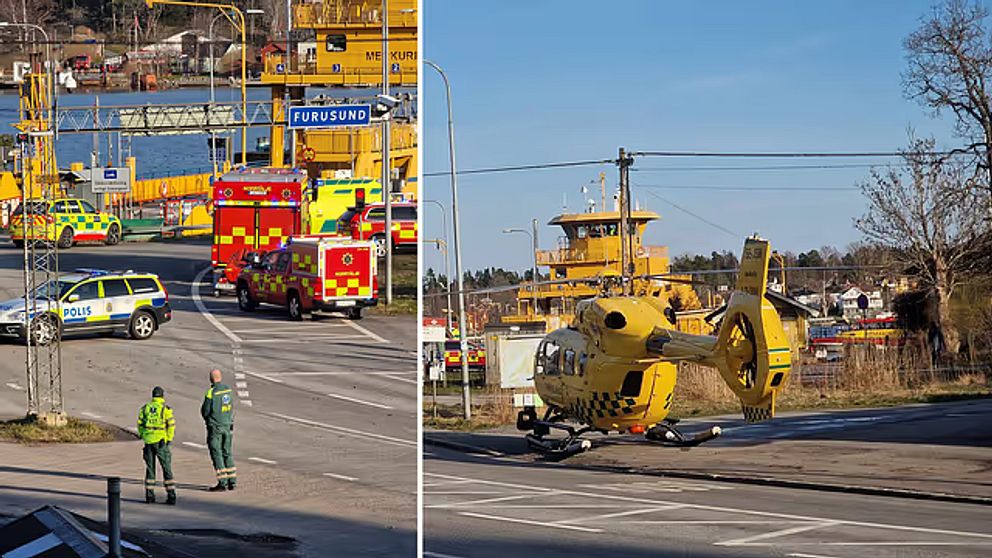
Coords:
pixel 76 431
pixel 867 377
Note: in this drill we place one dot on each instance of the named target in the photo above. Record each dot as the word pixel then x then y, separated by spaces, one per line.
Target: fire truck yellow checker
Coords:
pixel 66 221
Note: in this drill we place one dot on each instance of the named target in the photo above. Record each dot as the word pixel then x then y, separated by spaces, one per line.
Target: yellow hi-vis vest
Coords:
pixel 155 422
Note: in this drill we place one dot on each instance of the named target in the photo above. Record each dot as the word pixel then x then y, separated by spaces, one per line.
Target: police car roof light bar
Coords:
pixel 92 271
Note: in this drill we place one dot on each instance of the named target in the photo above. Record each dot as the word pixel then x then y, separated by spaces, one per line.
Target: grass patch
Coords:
pixel 76 431
pixel 406 281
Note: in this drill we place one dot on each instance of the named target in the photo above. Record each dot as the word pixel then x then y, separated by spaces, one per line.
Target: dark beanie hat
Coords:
pixel 158 392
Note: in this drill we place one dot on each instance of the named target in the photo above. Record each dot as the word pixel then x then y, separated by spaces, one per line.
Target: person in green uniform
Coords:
pixel 157 428
pixel 218 414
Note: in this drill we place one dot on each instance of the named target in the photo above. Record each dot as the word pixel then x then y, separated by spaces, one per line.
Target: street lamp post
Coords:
pixel 533 241
pixel 462 323
pixel 49 64
pixel 239 24
pixel 447 271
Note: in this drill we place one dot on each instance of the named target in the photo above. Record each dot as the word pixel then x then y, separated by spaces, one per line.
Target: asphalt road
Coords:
pixel 331 398
pixel 514 504
pixel 480 507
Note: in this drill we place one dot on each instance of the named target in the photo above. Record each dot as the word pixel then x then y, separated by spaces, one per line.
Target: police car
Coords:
pixel 90 300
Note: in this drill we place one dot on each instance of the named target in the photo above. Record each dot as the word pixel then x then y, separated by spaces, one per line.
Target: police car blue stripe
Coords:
pixel 74 320
pixel 119 316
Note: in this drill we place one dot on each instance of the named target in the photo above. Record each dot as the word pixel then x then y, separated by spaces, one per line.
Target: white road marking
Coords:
pixel 287 330
pixel 529 522
pixel 617 514
pixel 243 394
pixel 465 493
pixel 263 376
pixel 402 379
pixel 712 522
pixel 492 500
pixel 271 375
pixel 241 385
pixel 12 385
pixel 239 375
pixel 206 313
pixel 366 332
pixel 442 483
pixel 247 402
pixel 439 555
pixel 194 445
pixel 798 518
pixel 260 460
pixel 340 477
pixel 801 555
pixel 347 431
pixel 91 415
pixel 309 339
pixel 358 401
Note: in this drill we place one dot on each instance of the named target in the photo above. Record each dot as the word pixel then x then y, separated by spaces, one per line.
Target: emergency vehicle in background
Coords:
pixel 254 211
pixel 453 356
pixel 368 222
pixel 312 275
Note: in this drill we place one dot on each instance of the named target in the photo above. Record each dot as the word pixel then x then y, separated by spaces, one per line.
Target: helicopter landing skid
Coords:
pixel 666 433
pixel 557 447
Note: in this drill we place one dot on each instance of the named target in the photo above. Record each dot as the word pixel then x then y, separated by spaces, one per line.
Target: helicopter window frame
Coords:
pixel 583 359
pixel 552 358
pixel 569 368
pixel 539 360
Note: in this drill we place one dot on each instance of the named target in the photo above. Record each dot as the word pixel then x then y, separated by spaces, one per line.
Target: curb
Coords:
pixel 740 479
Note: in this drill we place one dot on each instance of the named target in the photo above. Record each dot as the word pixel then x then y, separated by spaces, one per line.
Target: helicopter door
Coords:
pixel 548 371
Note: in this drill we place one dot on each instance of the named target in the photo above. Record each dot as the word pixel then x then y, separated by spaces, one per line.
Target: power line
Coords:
pixel 536 166
pixel 766 167
pixel 787 154
pixel 701 218
pixel 754 188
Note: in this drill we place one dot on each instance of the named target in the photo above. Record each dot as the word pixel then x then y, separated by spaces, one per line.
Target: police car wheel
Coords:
pixel 295 307
pixel 66 238
pixel 142 326
pixel 113 235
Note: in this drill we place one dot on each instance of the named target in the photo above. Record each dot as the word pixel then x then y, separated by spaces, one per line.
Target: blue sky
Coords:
pixel 559 81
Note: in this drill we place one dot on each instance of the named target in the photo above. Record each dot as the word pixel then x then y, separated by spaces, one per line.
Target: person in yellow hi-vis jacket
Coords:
pixel 218 414
pixel 157 427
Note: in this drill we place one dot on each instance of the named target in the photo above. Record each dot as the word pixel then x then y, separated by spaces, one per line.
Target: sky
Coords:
pixel 536 82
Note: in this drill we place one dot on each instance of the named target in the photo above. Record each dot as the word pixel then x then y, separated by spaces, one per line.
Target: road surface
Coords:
pixel 331 398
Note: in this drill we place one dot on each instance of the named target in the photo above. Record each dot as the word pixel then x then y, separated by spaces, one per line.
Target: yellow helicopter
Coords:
pixel 614 369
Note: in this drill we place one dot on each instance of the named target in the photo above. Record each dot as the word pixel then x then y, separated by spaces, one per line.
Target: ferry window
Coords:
pixel 570 362
pixel 581 231
pixel 337 43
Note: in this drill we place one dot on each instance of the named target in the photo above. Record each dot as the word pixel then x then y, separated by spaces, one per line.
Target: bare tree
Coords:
pixel 930 223
pixel 950 69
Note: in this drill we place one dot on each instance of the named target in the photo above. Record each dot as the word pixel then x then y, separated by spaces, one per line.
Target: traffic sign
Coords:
pixel 330 116
pixel 433 329
pixel 111 180
pixel 280 68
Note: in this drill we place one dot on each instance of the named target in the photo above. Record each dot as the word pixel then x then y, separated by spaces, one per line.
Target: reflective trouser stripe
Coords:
pixel 149 482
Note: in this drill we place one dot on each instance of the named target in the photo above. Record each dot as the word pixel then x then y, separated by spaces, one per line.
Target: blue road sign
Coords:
pixel 336 68
pixel 280 68
pixel 110 174
pixel 395 68
pixel 330 116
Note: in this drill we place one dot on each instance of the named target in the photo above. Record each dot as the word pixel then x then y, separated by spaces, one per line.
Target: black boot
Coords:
pixel 230 487
pixel 217 488
pixel 170 499
pixel 149 497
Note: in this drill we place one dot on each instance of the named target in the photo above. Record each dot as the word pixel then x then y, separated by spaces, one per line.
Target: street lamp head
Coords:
pixel 4 23
pixel 507 231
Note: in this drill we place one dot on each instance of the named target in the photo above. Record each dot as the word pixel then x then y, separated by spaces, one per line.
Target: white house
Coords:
pixel 847 302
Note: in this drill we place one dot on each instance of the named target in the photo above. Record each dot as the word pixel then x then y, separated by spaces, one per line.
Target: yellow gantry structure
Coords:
pixel 590 249
pixel 347 53
pixel 39 172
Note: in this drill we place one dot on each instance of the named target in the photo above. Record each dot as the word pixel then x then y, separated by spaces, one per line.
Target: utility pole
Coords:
pixel 534 277
pixel 387 189
pixel 624 162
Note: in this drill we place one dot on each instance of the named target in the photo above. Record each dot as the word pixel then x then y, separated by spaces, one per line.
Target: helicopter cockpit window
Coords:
pixel 582 364
pixel 569 362
pixel 539 360
pixel 552 359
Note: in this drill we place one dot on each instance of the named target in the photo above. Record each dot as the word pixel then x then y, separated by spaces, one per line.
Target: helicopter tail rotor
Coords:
pixel 752 352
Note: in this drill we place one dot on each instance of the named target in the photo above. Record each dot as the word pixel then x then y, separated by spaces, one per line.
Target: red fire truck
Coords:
pixel 453 356
pixel 312 275
pixel 255 211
